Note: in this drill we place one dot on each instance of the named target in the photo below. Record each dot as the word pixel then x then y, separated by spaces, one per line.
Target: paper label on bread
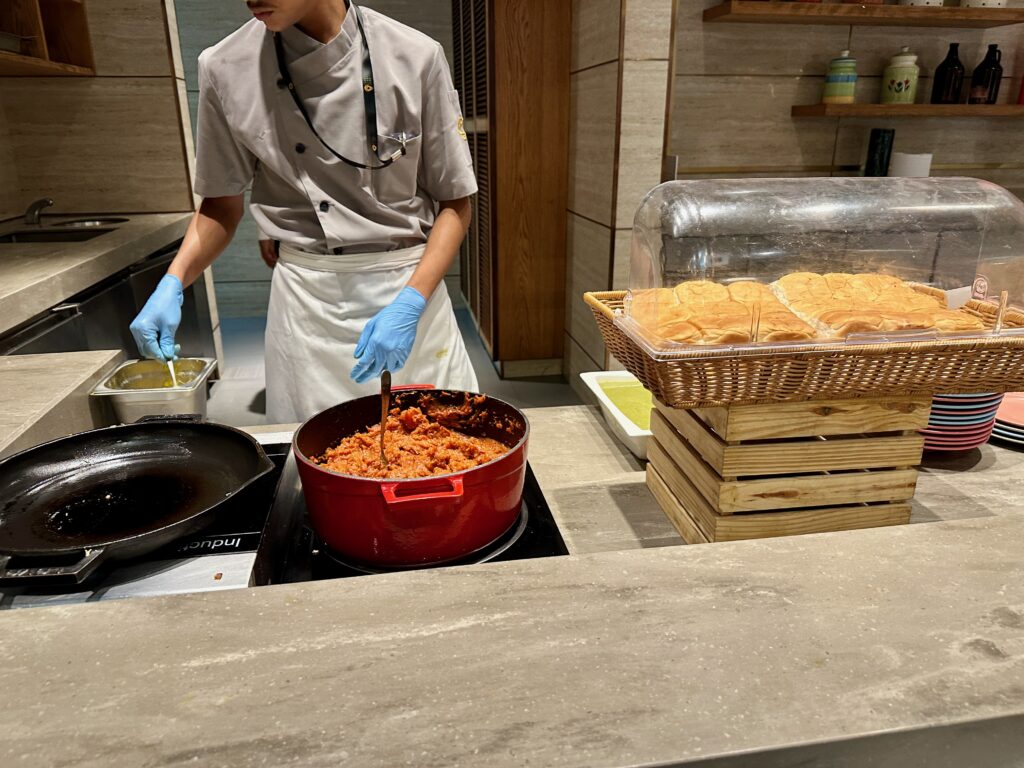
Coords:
pixel 801 306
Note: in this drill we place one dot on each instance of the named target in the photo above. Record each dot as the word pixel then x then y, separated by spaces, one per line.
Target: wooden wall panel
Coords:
pixel 641 135
pixel 98 144
pixel 874 46
pixel 963 141
pixel 735 84
pixel 620 259
pixel 966 142
pixel 745 123
pixel 595 32
pixel 589 269
pixel 618 123
pixel 185 123
pixel 592 140
pixel 648 30
pixel 129 37
pixel 10 197
pixel 751 49
pixel 578 361
pixel 530 158
pixel 174 38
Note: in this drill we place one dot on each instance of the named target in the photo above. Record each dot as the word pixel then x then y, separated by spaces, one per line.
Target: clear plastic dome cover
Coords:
pixel 964 237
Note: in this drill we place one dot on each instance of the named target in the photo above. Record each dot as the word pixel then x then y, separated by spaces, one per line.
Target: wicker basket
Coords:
pixel 706 376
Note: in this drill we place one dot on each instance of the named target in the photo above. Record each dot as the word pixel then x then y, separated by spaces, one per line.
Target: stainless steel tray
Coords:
pixel 140 388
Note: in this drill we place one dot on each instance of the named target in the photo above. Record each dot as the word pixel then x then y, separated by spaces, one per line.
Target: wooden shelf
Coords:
pixel 55 38
pixel 844 14
pixel 16 65
pixel 908 110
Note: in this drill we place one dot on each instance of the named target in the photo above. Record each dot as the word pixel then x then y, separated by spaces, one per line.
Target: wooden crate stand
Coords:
pixel 755 471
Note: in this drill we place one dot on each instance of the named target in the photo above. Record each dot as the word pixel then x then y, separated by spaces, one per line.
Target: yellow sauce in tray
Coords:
pixel 632 399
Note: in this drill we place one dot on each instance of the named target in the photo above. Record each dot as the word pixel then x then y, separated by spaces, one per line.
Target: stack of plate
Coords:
pixel 960 422
pixel 1010 420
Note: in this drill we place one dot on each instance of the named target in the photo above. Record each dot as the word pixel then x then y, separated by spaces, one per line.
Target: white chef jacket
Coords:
pixel 250 132
pixel 351 238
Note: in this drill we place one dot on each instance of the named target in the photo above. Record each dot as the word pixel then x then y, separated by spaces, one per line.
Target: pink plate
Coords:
pixel 959 434
pixel 968 400
pixel 955 443
pixel 957 431
pixel 956 440
pixel 938 410
pixel 1012 409
pixel 975 440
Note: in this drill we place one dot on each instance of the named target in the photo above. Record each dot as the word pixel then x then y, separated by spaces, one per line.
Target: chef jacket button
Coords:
pixel 339 250
pixel 325 206
pixel 300 148
pixel 280 82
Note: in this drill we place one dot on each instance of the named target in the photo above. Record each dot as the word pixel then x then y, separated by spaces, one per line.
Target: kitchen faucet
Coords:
pixel 33 212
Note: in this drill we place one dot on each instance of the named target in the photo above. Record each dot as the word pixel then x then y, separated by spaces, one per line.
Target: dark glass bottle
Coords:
pixel 986 78
pixel 948 82
pixel 879 152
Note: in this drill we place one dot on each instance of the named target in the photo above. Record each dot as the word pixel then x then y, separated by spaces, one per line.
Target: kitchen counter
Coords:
pixel 36 276
pixel 47 396
pixel 898 646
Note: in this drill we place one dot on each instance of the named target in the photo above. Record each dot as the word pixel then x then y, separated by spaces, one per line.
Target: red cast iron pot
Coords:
pixel 411 523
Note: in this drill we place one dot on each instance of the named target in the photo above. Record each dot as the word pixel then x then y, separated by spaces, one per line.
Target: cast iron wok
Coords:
pixel 116 493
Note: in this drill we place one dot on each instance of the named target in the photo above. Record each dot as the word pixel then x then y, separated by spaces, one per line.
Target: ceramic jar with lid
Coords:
pixel 899 80
pixel 840 80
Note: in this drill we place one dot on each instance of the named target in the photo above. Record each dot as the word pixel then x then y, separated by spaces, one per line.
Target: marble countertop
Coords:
pixel 824 650
pixel 47 396
pixel 36 276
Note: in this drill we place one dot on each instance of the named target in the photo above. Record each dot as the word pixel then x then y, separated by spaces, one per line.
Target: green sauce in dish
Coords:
pixel 632 399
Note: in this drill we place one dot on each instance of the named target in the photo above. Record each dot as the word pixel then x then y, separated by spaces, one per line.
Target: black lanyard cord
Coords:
pixel 369 100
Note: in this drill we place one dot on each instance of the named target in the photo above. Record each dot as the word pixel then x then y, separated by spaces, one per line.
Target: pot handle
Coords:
pixel 91 558
pixel 394 500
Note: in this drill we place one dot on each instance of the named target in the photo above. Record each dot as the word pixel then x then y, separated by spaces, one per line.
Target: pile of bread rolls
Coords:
pixel 798 307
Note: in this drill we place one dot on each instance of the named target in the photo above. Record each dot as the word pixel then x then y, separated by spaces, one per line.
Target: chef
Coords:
pixel 347 127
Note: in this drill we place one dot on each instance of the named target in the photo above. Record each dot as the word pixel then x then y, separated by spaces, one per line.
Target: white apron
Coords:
pixel 319 305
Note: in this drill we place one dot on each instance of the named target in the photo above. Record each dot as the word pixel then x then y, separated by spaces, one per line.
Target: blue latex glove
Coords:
pixel 156 324
pixel 387 339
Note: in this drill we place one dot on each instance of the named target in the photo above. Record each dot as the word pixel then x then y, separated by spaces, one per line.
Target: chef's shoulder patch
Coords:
pixel 461 128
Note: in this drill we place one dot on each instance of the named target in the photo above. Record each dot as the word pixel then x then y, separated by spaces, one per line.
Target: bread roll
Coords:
pixel 800 306
pixel 679 330
pixel 696 293
pixel 776 323
pixel 705 312
pixel 839 304
pixel 654 307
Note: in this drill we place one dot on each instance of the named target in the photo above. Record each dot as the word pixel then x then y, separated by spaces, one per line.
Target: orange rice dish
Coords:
pixel 415 447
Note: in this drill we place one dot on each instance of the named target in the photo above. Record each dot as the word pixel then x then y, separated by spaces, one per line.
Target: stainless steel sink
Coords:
pixel 89 223
pixel 53 235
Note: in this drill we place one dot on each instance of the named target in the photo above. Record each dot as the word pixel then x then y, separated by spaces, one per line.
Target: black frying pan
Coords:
pixel 68 505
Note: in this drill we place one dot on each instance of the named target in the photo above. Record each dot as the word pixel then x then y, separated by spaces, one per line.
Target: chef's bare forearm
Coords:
pixel 449 230
pixel 209 233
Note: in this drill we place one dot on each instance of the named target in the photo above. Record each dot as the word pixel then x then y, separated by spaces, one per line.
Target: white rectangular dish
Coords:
pixel 628 433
